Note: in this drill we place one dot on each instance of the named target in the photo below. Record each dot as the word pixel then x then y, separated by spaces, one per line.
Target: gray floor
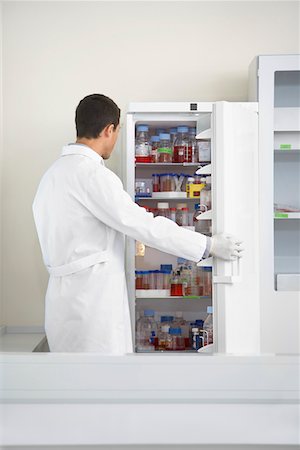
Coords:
pixel 158 447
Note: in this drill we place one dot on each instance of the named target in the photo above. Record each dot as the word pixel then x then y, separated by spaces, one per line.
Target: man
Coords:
pixel 82 215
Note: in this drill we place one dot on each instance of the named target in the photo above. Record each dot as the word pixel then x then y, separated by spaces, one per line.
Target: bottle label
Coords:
pixel 165 150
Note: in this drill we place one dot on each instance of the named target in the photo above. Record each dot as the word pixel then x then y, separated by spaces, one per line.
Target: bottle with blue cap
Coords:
pixel 146 332
pixel 193 155
pixel 181 145
pixel 175 340
pixel 208 325
pixel 154 148
pixel 142 145
pixel 164 149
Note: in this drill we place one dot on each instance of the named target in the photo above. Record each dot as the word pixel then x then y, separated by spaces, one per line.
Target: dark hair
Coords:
pixel 94 113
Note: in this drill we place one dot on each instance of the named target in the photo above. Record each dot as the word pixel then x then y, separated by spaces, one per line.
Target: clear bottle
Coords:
pixel 146 279
pixel 165 149
pixel 138 279
pixel 163 337
pixel 179 322
pixel 173 214
pixel 207 281
pixel 146 332
pixel 205 194
pixel 167 182
pixel 182 217
pixel 142 145
pixel 181 145
pixel 173 136
pixel 192 152
pixel 201 226
pixel 208 324
pixel 155 182
pixel 163 209
pixel 175 340
pixel 154 148
pixel 176 285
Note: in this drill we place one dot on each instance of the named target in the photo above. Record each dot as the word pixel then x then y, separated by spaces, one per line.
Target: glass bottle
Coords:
pixel 142 146
pixel 205 194
pixel 181 144
pixel 164 149
pixel 146 332
pixel 154 148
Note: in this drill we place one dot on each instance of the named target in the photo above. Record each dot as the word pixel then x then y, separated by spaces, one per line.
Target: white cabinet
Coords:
pixel 275 84
pixel 233 131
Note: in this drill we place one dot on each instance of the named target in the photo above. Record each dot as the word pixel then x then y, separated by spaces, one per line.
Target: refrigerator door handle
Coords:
pixel 234 277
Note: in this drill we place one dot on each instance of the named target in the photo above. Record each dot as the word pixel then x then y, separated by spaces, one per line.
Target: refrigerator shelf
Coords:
pixel 287 215
pixel 173 297
pixel 169 164
pixel 167 198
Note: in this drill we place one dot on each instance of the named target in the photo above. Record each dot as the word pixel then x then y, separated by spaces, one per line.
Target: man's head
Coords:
pixel 97 123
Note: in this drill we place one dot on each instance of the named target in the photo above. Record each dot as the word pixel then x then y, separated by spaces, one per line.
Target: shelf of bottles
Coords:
pixel 287 181
pixel 173 296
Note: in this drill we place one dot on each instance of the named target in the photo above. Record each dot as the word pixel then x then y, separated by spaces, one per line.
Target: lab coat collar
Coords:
pixel 81 149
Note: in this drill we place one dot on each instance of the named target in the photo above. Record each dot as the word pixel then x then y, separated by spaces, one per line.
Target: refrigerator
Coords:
pixel 232 131
pixel 274 82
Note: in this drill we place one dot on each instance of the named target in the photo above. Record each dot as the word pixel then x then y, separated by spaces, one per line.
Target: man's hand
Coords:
pixel 225 246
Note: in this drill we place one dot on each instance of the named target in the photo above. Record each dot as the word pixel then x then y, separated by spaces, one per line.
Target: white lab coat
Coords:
pixel 82 214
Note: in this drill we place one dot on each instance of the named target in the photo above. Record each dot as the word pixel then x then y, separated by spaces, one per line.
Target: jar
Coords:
pixel 204 153
pixel 163 209
pixel 159 279
pixel 152 279
pixel 176 285
pixel 167 182
pixel 138 279
pixel 154 148
pixel 173 214
pixel 155 182
pixel 164 150
pixel 146 279
pixel 175 340
pixel 166 278
pixel 207 281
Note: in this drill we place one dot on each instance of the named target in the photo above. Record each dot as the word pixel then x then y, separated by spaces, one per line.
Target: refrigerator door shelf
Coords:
pixel 169 194
pixel 207 215
pixel 204 170
pixel 234 277
pixel 205 135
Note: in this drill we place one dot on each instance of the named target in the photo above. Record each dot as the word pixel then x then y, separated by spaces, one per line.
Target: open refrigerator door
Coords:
pixel 235 211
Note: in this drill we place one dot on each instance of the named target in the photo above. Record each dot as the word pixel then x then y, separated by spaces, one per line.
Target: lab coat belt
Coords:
pixel 79 264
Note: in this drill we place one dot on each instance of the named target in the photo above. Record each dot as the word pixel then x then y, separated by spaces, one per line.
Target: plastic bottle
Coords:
pixel 190 180
pixel 201 226
pixel 163 209
pixel 208 324
pixel 207 280
pixel 163 337
pixel 167 182
pixel 155 182
pixel 165 149
pixel 192 152
pixel 146 332
pixel 182 217
pixel 173 136
pixel 173 214
pixel 175 340
pixel 176 285
pixel 179 322
pixel 181 144
pixel 154 147
pixel 205 194
pixel 142 145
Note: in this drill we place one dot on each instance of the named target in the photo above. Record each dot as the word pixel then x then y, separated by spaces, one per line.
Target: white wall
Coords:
pixel 56 53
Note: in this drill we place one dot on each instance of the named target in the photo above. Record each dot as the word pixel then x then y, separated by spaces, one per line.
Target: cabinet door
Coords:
pixel 235 211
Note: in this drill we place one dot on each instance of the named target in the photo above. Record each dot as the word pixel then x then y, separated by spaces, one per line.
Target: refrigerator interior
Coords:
pixel 287 180
pixel 192 307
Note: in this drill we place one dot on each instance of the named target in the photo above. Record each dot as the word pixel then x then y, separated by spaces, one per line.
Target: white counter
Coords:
pixel 68 399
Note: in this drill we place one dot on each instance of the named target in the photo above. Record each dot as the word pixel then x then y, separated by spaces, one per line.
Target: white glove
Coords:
pixel 226 246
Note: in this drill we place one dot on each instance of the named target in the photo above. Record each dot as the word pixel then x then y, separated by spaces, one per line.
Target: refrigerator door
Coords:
pixel 235 211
